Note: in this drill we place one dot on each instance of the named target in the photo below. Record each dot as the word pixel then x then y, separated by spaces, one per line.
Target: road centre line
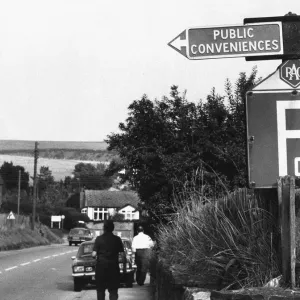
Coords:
pixel 24 264
pixel 47 257
pixel 54 255
pixel 8 269
pixel 37 260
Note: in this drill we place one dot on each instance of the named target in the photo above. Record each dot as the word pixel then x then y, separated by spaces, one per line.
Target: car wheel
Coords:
pixel 77 284
pixel 70 244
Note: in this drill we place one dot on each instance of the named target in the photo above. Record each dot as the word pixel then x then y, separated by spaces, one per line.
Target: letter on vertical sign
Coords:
pixel 283 134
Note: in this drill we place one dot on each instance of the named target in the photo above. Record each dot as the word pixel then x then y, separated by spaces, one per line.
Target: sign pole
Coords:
pixel 293 231
pixel 286 201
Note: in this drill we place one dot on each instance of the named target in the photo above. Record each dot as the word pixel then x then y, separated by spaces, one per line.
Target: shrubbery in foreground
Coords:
pixel 229 242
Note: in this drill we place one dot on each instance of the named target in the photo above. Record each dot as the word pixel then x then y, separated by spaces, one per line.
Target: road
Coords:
pixel 44 273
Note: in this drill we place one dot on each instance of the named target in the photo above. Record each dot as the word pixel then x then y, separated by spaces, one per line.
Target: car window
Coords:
pixel 79 231
pixel 127 244
pixel 85 249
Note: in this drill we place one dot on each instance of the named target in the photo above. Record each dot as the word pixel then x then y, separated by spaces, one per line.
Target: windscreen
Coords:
pixel 79 231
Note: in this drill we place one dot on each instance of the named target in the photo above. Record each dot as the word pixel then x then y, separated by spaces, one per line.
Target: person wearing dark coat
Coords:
pixel 106 249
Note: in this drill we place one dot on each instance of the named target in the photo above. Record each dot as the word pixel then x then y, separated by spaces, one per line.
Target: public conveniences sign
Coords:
pixel 273 132
pixel 230 41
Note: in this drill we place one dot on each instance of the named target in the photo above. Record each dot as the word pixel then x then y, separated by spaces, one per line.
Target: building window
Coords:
pixel 84 211
pixel 128 213
pixel 100 213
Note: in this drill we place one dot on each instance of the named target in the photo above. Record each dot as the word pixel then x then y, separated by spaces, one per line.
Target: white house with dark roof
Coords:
pixel 99 204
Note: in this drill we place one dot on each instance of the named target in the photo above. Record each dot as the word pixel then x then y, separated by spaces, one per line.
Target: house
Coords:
pixel 99 204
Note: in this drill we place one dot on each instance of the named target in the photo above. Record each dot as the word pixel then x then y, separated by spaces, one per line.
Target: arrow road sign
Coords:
pixel 263 39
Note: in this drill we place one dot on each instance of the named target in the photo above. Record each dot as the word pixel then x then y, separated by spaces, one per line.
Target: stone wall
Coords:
pixel 168 286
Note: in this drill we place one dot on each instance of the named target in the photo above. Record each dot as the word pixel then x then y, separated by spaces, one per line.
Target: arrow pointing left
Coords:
pixel 180 43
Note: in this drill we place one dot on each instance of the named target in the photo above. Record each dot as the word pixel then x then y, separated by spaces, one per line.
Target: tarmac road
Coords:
pixel 44 273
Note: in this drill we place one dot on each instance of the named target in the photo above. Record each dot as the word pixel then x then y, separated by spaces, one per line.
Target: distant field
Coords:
pixel 59 167
pixel 6 145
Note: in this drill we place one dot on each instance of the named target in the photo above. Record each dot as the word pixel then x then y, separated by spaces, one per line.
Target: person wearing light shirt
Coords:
pixel 141 246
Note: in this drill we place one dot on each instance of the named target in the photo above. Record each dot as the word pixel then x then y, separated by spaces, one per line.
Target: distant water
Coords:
pixel 60 167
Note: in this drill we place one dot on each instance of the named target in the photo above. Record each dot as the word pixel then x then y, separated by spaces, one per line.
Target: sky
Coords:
pixel 69 69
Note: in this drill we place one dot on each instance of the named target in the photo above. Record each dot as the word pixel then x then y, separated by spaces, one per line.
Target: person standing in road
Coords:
pixel 106 249
pixel 141 246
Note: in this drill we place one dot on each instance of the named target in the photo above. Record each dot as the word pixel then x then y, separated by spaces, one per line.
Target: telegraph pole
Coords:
pixel 36 155
pixel 19 192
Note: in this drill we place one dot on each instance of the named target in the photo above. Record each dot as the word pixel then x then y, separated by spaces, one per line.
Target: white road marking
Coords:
pixel 47 257
pixel 24 264
pixel 36 260
pixel 8 269
pixel 55 255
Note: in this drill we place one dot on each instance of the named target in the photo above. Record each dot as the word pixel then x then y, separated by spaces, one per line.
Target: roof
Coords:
pixel 110 199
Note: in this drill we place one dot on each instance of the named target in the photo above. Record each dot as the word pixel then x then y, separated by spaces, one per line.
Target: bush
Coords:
pixel 72 216
pixel 117 217
pixel 228 242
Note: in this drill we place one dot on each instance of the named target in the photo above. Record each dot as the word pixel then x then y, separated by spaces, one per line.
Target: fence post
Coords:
pixel 286 202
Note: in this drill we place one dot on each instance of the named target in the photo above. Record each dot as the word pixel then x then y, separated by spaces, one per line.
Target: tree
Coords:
pixel 10 176
pixel 92 177
pixel 45 179
pixel 163 144
pixel 115 165
pixel 156 147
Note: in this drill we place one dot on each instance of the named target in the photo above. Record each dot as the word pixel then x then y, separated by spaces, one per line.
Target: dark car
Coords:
pixel 84 265
pixel 79 235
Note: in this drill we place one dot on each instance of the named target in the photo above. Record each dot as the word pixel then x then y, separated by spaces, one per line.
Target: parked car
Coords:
pixel 84 265
pixel 79 235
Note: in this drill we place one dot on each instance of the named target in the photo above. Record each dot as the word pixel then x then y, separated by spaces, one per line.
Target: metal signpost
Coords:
pixel 273 121
pixel 272 107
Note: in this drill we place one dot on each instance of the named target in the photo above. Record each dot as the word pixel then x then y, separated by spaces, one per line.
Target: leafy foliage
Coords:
pixel 91 177
pixel 163 142
pixel 10 176
pixel 72 217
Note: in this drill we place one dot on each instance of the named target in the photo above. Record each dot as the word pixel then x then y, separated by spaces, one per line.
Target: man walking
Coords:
pixel 107 248
pixel 141 246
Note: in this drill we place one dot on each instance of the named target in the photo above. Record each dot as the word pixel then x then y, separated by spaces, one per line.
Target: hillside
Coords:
pixel 93 151
pixel 14 145
pixel 60 167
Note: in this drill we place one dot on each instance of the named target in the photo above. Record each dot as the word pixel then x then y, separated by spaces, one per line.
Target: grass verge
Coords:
pixel 23 237
pixel 229 242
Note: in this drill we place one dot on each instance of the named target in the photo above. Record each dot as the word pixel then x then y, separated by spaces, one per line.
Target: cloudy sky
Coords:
pixel 70 68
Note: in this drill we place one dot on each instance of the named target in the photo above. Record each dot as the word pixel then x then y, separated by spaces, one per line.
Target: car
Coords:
pixel 84 265
pixel 79 235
